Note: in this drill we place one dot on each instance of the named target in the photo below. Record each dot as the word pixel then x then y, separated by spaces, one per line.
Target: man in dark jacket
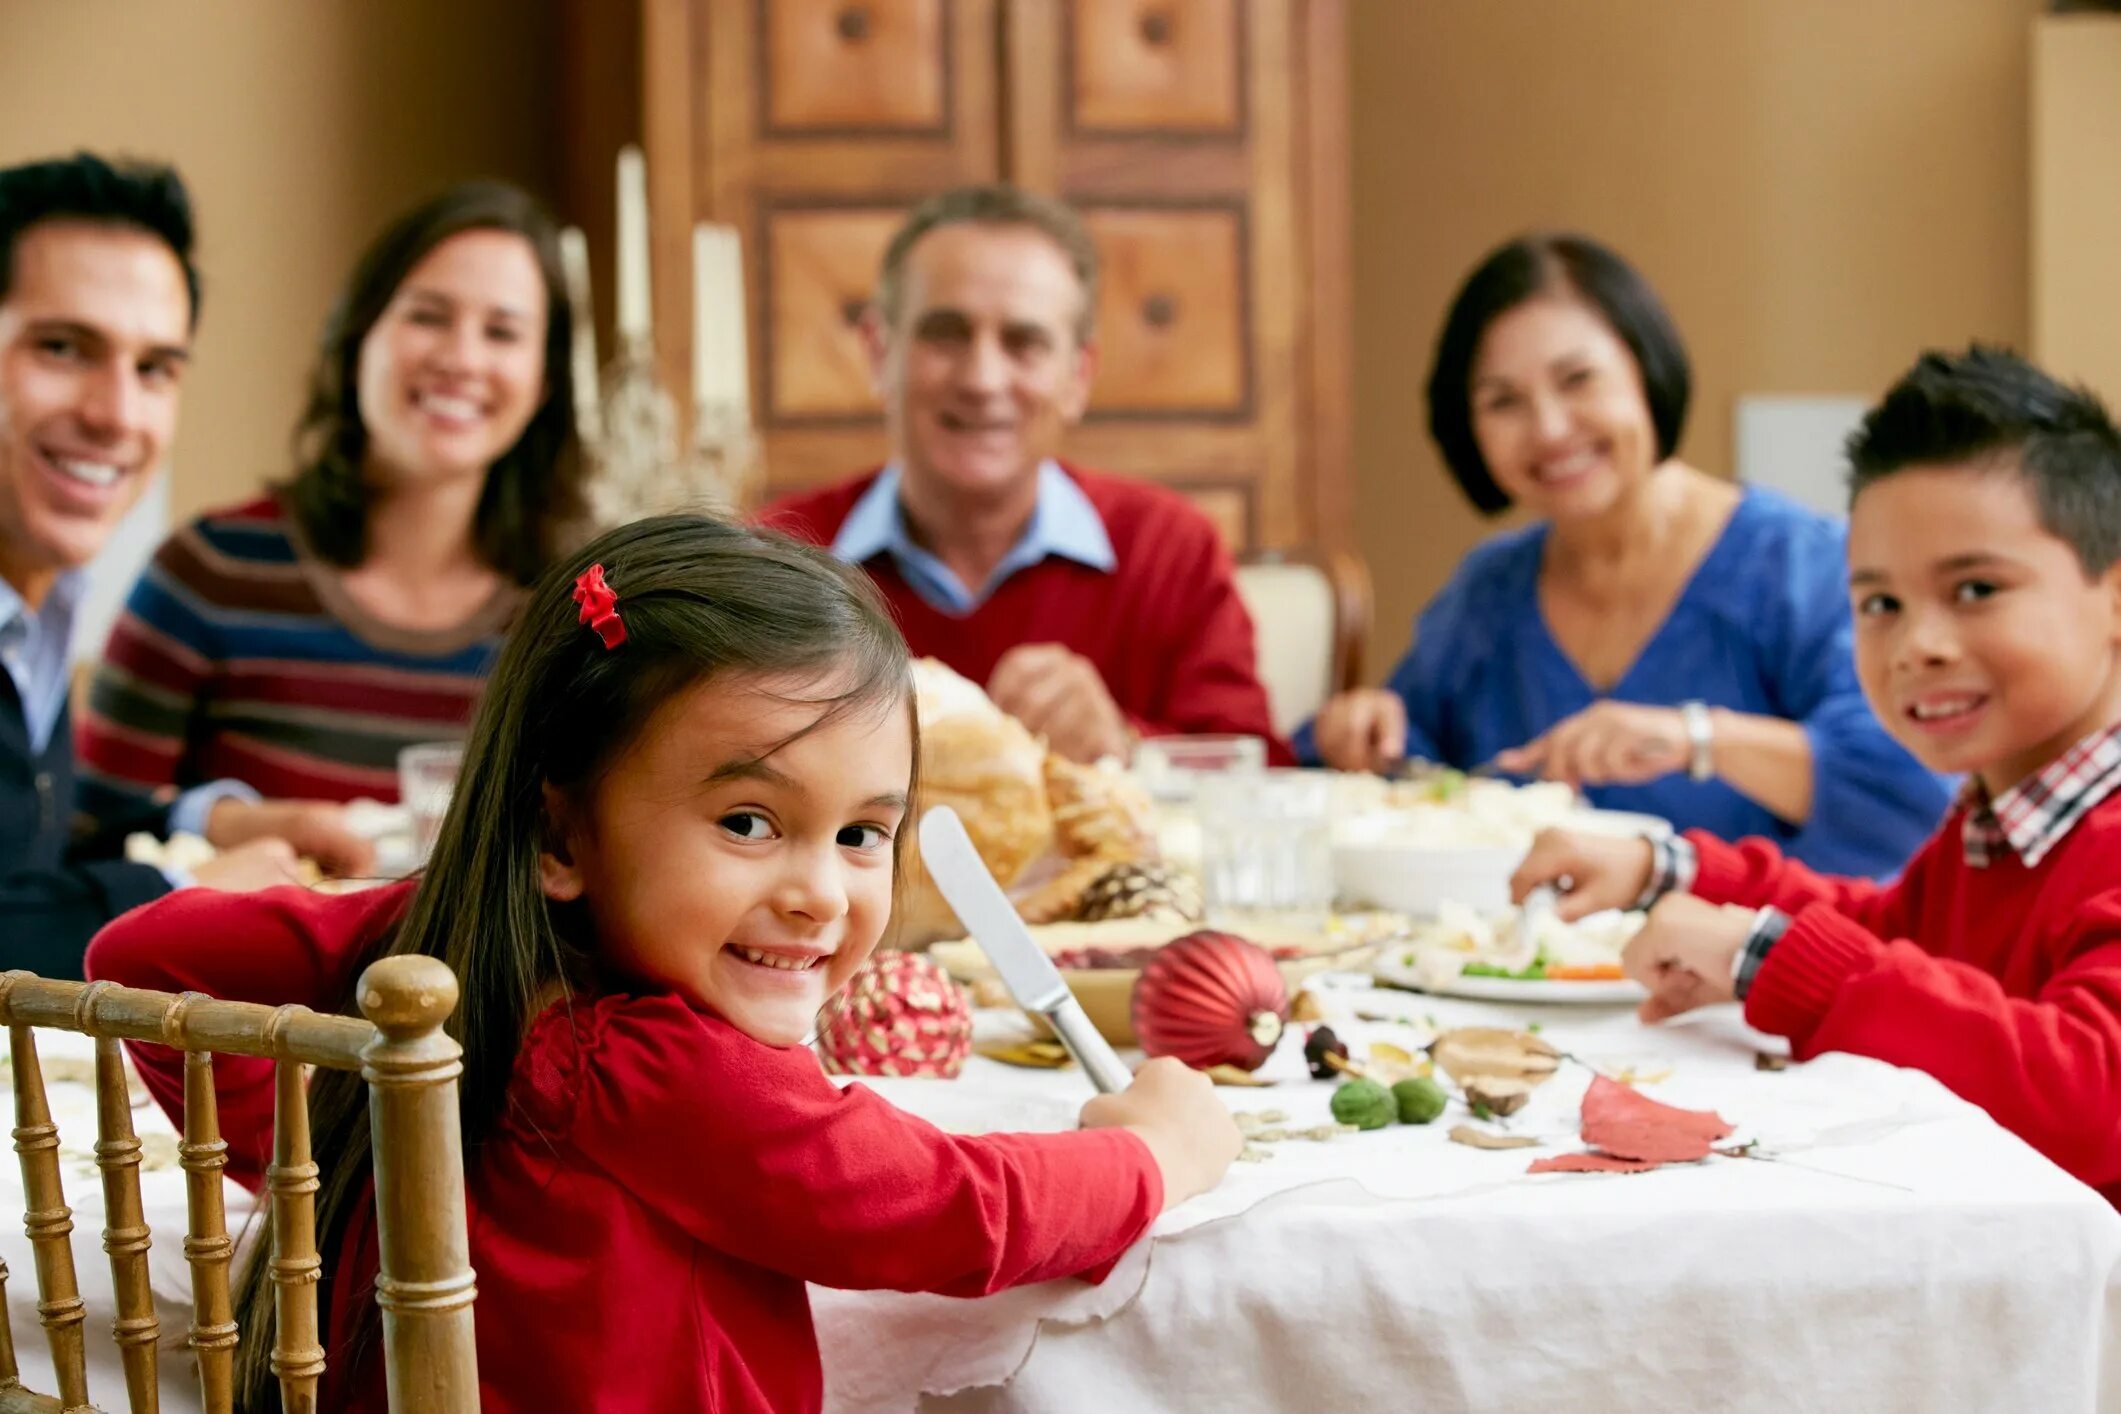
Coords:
pixel 98 298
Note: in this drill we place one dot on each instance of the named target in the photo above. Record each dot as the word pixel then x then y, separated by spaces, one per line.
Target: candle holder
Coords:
pixel 722 470
pixel 635 460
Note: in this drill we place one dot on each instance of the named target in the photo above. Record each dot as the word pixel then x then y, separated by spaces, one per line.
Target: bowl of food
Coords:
pixel 1101 961
pixel 1414 846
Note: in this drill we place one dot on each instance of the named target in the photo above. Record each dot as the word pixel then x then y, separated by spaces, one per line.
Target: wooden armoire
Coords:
pixel 1203 141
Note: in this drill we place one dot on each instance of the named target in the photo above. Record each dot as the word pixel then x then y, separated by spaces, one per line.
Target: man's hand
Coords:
pixel 1362 730
pixel 260 864
pixel 1057 693
pixel 315 828
pixel 1686 953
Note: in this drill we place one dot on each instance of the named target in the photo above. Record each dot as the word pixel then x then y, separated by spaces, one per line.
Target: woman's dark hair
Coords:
pixel 699 599
pixel 1987 408
pixel 533 491
pixel 1525 269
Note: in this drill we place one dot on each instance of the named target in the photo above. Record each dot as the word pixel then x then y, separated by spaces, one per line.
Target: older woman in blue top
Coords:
pixel 1664 639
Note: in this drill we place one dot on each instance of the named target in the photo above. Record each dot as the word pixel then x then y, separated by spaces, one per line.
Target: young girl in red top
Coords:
pixel 674 837
pixel 1985 576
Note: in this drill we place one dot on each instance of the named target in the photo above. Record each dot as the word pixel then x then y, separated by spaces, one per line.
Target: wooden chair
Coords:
pixel 1310 618
pixel 425 1285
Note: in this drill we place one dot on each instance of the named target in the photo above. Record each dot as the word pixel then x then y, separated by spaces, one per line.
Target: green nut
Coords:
pixel 1364 1104
pixel 1419 1100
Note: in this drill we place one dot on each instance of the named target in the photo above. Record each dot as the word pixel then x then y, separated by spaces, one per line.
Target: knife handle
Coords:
pixel 1100 1062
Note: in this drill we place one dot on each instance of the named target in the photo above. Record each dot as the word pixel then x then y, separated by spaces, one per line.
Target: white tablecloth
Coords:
pixel 1921 1259
pixel 1901 1252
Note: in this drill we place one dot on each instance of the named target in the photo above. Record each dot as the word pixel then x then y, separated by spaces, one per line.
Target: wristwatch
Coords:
pixel 1701 741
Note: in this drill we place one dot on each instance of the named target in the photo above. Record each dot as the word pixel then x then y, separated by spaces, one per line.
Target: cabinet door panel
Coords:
pixel 1171 312
pixel 821 265
pixel 1155 67
pixel 851 66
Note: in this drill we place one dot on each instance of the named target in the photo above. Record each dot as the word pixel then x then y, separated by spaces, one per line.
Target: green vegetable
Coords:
pixel 1364 1104
pixel 1419 1100
pixel 1532 972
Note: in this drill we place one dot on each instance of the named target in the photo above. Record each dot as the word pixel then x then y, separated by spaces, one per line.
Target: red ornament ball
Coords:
pixel 900 1015
pixel 1211 999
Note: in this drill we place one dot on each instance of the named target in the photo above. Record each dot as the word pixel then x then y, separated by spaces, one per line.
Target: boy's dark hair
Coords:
pixel 85 187
pixel 995 204
pixel 699 599
pixel 533 492
pixel 1989 407
pixel 1525 269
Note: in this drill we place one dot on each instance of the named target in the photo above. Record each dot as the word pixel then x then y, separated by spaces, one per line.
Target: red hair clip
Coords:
pixel 600 606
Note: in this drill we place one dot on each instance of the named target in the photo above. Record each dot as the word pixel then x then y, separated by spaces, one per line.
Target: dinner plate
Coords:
pixel 1618 991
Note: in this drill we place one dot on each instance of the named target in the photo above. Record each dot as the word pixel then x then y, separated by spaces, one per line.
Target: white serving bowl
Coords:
pixel 1410 864
pixel 1416 879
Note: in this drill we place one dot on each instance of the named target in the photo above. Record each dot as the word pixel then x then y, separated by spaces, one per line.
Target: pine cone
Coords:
pixel 1141 891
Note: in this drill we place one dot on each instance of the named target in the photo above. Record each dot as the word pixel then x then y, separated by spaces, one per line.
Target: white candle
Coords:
pixel 633 244
pixel 720 360
pixel 588 410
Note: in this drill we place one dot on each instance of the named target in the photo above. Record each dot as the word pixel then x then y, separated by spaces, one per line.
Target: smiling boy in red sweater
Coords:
pixel 1985 576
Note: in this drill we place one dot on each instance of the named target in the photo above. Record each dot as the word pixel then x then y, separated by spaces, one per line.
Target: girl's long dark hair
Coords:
pixel 533 492
pixel 699 598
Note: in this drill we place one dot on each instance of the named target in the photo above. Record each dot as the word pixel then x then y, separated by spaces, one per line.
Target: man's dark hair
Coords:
pixel 85 187
pixel 1525 269
pixel 1988 407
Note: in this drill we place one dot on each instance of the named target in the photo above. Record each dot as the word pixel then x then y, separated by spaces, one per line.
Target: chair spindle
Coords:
pixel 297 1353
pixel 207 1247
pixel 125 1235
pixel 48 1222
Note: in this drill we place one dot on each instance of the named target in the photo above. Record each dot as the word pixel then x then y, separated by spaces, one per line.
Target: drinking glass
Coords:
pixel 427 777
pixel 1266 845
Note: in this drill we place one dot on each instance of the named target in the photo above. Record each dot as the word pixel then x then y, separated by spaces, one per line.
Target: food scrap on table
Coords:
pixel 1631 1133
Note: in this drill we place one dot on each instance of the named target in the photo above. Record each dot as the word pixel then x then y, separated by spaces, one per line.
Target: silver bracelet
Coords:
pixel 1701 740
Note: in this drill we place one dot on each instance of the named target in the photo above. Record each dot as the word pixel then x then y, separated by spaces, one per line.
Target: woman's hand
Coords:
pixel 1175 1111
pixel 1686 954
pixel 1607 743
pixel 1362 730
pixel 1600 871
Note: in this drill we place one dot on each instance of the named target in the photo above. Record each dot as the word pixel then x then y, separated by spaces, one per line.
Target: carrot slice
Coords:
pixel 1590 972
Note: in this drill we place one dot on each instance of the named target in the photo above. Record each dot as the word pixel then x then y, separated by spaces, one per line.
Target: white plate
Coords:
pixel 1612 992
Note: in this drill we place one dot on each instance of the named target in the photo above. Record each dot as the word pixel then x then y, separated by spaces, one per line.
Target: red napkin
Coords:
pixel 1632 1133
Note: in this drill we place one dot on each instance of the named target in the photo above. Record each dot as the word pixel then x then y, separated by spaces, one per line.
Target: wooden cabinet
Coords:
pixel 1203 141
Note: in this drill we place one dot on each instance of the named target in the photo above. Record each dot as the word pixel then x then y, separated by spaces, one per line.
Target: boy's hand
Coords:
pixel 1603 871
pixel 1686 953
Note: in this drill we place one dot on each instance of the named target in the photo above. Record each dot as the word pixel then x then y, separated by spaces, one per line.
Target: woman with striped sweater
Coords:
pixel 296 643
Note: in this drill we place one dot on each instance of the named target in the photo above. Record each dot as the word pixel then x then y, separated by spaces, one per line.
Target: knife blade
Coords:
pixel 972 893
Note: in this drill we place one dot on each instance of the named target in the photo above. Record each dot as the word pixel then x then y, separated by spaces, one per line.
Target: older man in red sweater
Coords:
pixel 1095 609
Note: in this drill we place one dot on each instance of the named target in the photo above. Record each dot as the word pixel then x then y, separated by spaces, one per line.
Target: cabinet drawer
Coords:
pixel 850 66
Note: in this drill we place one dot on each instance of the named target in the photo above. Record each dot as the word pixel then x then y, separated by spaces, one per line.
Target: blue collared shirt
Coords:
pixel 33 649
pixel 1063 523
pixel 33 646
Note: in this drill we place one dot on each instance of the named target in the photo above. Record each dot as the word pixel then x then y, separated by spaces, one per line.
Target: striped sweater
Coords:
pixel 241 655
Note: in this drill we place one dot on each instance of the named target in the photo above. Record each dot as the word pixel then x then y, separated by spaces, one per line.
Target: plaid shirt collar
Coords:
pixel 2033 816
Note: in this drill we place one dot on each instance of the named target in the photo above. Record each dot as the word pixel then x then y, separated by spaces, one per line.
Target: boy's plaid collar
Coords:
pixel 2033 816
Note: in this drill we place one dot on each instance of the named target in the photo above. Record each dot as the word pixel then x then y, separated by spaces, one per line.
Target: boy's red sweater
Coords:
pixel 2004 982
pixel 1165 629
pixel 646 1213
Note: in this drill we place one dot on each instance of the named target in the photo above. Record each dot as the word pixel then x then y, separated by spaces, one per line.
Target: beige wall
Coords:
pixel 1817 187
pixel 301 127
pixel 2076 203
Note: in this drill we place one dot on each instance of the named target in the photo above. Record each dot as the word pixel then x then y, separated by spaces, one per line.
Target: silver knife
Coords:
pixel 992 920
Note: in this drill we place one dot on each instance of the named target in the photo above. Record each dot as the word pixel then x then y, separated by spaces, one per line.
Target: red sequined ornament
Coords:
pixel 600 606
pixel 1211 999
pixel 900 1015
